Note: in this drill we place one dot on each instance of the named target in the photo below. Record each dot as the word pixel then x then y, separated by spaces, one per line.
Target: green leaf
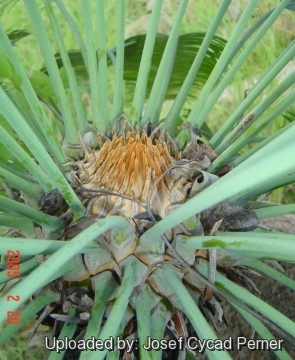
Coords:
pixel 256 91
pixel 201 110
pixel 31 140
pixel 103 285
pixel 187 48
pixel 68 331
pixel 186 303
pixel 289 115
pixel 5 67
pixel 143 304
pixel 45 45
pixel 268 271
pixel 160 316
pixel 92 66
pixel 16 35
pixel 42 84
pixel 102 65
pixel 20 80
pixel 243 245
pixel 69 74
pixel 118 105
pixel 21 223
pixel 57 264
pixel 26 268
pixel 264 333
pixel 35 247
pixel 31 192
pixel 26 315
pixel 119 307
pixel 181 98
pixel 164 72
pixel 245 296
pixel 291 6
pixel 52 226
pixel 275 211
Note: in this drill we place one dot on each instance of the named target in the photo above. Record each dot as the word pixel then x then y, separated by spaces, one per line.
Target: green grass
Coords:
pixel 18 348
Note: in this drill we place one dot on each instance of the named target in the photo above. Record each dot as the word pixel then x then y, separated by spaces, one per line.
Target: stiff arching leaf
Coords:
pixel 289 115
pixel 291 6
pixel 16 35
pixel 187 48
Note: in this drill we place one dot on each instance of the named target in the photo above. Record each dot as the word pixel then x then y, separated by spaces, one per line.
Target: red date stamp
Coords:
pixel 13 270
pixel 13 260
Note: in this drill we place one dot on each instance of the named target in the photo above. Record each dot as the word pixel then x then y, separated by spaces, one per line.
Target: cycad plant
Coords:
pixel 122 224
